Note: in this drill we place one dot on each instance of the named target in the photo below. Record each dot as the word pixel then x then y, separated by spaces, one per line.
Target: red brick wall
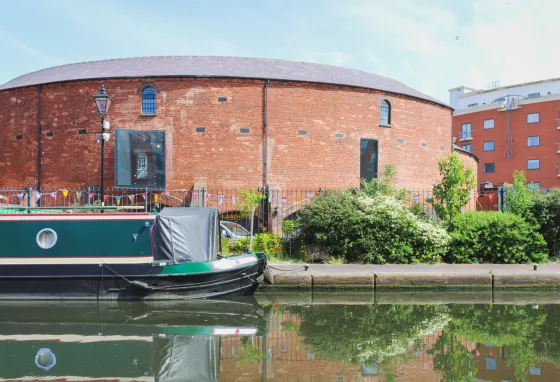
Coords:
pixel 504 168
pixel 470 162
pixel 222 156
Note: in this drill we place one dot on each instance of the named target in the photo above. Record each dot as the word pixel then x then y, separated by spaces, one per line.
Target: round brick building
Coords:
pixel 184 122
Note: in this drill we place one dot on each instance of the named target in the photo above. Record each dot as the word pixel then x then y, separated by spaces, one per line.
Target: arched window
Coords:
pixel 149 100
pixel 385 113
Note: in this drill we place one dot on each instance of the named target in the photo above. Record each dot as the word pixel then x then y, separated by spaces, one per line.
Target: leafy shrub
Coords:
pixel 263 242
pixel 380 229
pixel 545 208
pixel 495 237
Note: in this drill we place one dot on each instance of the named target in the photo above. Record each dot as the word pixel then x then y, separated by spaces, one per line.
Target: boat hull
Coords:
pixel 144 281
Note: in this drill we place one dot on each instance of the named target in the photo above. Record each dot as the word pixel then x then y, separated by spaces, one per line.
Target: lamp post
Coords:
pixel 103 102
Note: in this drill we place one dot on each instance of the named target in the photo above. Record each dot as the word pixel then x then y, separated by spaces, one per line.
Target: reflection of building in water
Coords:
pixel 290 359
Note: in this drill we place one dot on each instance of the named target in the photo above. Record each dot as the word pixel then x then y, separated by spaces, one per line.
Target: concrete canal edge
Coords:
pixel 426 277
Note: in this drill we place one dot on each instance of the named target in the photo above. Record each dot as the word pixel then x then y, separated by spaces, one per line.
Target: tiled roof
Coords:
pixel 206 66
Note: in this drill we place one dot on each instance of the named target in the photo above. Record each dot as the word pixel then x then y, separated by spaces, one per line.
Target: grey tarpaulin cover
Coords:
pixel 186 359
pixel 186 234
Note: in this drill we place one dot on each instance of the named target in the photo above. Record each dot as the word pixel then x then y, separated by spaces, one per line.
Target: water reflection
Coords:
pixel 242 340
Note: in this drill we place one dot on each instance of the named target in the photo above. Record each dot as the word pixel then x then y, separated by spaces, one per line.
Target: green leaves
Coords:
pixel 454 191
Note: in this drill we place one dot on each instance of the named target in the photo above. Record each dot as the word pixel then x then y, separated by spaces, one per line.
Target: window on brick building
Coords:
pixel 533 95
pixel 139 158
pixel 385 113
pixel 533 117
pixel 489 146
pixel 533 164
pixel 533 141
pixel 489 124
pixel 489 167
pixel 466 131
pixel 368 159
pixel 467 148
pixel 148 100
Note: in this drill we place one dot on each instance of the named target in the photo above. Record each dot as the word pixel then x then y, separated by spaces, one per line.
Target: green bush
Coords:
pixel 265 242
pixel 545 209
pixel 360 228
pixel 495 237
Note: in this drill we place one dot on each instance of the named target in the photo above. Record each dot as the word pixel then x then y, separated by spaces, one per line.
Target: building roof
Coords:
pixel 210 66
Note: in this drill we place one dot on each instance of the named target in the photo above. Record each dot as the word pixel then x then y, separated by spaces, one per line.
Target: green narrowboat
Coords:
pixel 174 254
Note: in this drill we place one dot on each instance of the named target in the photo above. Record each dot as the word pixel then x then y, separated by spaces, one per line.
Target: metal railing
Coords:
pixel 277 206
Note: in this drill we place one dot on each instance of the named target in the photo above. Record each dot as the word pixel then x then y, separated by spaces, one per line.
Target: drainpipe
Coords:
pixel 39 134
pixel 265 137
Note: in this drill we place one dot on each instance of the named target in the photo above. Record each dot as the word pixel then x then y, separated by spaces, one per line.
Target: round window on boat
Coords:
pixel 46 238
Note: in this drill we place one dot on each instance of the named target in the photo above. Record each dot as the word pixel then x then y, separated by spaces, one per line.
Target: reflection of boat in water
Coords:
pixel 130 341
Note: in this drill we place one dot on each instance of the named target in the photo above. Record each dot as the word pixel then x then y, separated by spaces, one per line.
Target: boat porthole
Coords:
pixel 46 238
pixel 45 359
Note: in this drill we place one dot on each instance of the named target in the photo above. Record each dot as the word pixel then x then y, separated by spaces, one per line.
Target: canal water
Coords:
pixel 280 338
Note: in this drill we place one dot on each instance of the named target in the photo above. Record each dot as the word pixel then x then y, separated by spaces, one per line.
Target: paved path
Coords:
pixel 388 277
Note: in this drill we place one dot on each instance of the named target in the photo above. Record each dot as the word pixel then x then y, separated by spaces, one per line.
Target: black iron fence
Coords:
pixel 276 206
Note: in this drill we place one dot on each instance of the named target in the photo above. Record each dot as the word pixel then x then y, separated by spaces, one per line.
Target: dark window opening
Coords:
pixel 222 99
pixel 368 159
pixel 200 129
pixel 19 136
pixel 339 135
pixel 400 141
pixel 385 113
pixel 49 134
pixel 488 167
pixel 149 100
pixel 82 132
pixel 244 131
pixel 139 158
pixel 302 132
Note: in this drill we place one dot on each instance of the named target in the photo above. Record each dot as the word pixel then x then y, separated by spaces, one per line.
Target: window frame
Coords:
pixel 132 170
pixel 470 147
pixel 146 102
pixel 387 111
pixel 493 168
pixel 534 95
pixel 493 146
pixel 472 105
pixel 470 131
pixel 376 166
pixel 533 160
pixel 488 128
pixel 535 113
pixel 534 136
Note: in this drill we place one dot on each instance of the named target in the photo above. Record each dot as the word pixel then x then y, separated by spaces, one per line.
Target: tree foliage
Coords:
pixel 453 192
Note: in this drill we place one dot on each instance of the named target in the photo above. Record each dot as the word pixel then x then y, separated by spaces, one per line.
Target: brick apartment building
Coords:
pixel 185 122
pixel 511 128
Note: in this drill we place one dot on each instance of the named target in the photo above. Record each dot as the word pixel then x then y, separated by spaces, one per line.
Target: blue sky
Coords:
pixel 413 41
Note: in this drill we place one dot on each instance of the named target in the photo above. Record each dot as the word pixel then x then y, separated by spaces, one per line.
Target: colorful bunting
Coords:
pixel 297 200
pixel 131 197
pixel 144 195
pixel 284 199
pixel 2 197
pixel 206 197
pixel 181 191
pixel 53 194
pixel 270 197
pixel 78 195
pixel 118 200
pixel 220 199
pixel 20 196
pixel 415 198
pixel 195 195
pixel 492 197
pixel 309 195
pixel 90 196
pixel 156 197
pixel 38 196
pixel 104 198
pixel 284 350
pixel 65 192
pixel 233 199
pixel 167 194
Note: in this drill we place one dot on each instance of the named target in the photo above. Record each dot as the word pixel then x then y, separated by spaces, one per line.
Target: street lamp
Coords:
pixel 103 103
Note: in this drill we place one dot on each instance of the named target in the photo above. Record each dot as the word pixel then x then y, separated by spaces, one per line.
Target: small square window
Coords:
pixel 489 124
pixel 467 148
pixel 491 364
pixel 533 141
pixel 535 371
pixel 82 131
pixel 302 132
pixel 489 167
pixel 473 105
pixel 424 144
pixel 339 135
pixel 533 95
pixel 49 134
pixel 244 131
pixel 222 99
pixel 466 131
pixel 533 117
pixel 200 129
pixel 18 137
pixel 489 146
pixel 534 185
pixel 533 164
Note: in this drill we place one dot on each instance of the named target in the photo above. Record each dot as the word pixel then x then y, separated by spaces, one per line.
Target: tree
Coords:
pixel 251 201
pixel 518 196
pixel 453 192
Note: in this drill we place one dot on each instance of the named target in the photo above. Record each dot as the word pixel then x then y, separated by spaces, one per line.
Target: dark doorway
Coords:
pixel 369 152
